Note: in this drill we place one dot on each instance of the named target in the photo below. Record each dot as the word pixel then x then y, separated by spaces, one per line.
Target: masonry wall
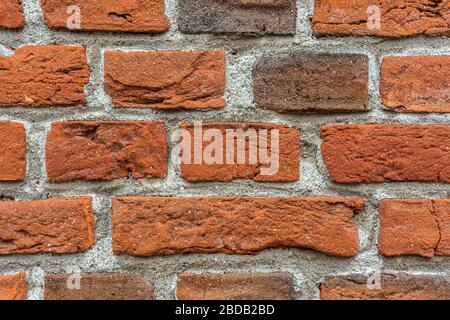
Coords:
pixel 88 183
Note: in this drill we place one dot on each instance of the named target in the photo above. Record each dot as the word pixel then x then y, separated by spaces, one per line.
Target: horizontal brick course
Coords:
pixel 166 80
pixel 57 225
pixel 390 287
pixel 284 158
pixel 106 150
pixel 414 227
pixel 97 287
pixel 236 286
pixel 237 16
pixel 416 84
pixel 379 153
pixel 107 15
pixel 147 226
pixel 44 76
pixel 397 18
pixel 312 82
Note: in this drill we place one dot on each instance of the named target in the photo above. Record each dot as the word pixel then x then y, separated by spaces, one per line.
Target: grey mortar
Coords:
pixel 309 268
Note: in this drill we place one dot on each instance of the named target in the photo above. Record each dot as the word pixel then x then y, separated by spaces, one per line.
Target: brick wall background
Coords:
pixel 424 160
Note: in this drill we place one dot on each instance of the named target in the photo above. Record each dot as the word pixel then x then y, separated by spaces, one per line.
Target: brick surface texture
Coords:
pixel 398 18
pixel 392 287
pixel 234 287
pixel 151 226
pixel 97 287
pixel 108 15
pixel 11 14
pixel 224 149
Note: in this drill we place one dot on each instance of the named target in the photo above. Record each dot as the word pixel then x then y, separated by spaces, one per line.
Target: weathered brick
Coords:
pixel 13 287
pixel 11 14
pixel 379 153
pixel 166 80
pixel 312 82
pixel 13 156
pixel 146 226
pixel 237 16
pixel 414 227
pixel 255 141
pixel 106 150
pixel 43 76
pixel 416 84
pixel 106 15
pixel 392 287
pixel 57 225
pixel 398 18
pixel 236 286
pixel 97 287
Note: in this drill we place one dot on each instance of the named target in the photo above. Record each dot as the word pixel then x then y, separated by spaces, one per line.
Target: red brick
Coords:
pixel 147 226
pixel 107 15
pixel 13 287
pixel 166 80
pixel 399 18
pixel 106 150
pixel 13 156
pixel 393 287
pixel 11 14
pixel 57 225
pixel 379 153
pixel 416 84
pixel 284 167
pixel 43 76
pixel 97 287
pixel 312 82
pixel 415 227
pixel 235 286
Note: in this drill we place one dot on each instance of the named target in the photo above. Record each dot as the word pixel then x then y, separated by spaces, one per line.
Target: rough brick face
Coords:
pixel 107 15
pixel 97 287
pixel 13 151
pixel 399 18
pixel 43 76
pixel 393 287
pixel 11 14
pixel 257 286
pixel 237 16
pixel 13 287
pixel 416 84
pixel 102 150
pixel 379 153
pixel 312 82
pixel 166 80
pixel 146 226
pixel 58 225
pixel 283 166
pixel 415 227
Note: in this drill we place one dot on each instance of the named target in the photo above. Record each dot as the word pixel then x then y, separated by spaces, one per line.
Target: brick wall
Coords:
pixel 92 195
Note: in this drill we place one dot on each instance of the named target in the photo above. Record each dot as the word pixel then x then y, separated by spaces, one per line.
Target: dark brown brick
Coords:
pixel 237 16
pixel 312 82
pixel 97 287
